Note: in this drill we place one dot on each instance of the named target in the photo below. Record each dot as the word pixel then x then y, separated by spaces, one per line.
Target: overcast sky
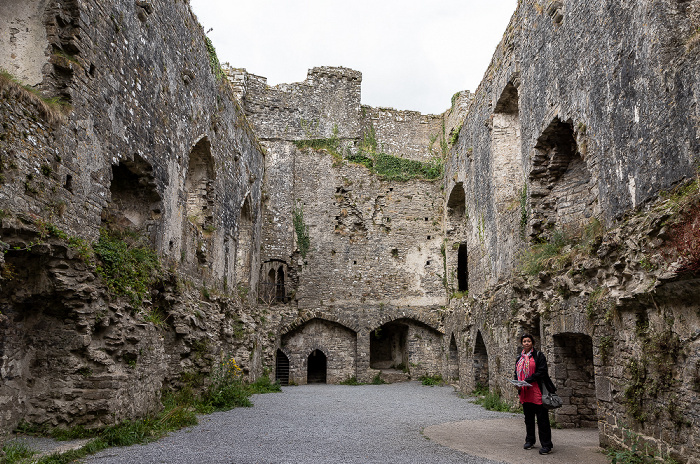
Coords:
pixel 413 54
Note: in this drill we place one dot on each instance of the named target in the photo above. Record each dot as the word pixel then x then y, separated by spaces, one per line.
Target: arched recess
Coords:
pixel 407 344
pixel 200 184
pixel 199 188
pixel 336 341
pixel 456 205
pixel 455 231
pixel 388 346
pixel 317 367
pixel 135 203
pixel 244 244
pixel 574 375
pixel 453 360
pixel 481 363
pixel 23 39
pixel 562 194
pixel 282 368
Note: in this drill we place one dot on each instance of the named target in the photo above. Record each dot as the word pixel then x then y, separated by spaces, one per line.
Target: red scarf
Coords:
pixel 524 365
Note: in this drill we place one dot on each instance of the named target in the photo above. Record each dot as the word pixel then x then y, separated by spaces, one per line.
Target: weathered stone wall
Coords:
pixel 327 102
pixel 577 120
pixel 144 104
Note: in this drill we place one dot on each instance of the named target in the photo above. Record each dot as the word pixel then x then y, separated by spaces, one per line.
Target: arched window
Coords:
pixel 481 364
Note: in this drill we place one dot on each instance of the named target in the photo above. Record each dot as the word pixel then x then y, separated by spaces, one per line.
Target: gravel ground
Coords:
pixel 319 424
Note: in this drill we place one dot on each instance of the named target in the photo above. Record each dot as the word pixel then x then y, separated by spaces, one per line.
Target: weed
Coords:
pixel 127 265
pixel 431 380
pixel 377 380
pixel 492 401
pixel 351 381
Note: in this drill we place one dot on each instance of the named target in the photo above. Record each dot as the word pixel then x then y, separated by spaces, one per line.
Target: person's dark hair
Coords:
pixel 527 335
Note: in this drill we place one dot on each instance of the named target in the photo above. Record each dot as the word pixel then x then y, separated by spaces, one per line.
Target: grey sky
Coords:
pixel 413 55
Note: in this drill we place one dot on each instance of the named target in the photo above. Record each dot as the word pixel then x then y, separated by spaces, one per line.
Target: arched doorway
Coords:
pixel 282 368
pixel 317 367
pixel 481 364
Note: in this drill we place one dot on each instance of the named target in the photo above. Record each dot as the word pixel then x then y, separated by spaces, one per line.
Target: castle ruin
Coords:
pixel 317 239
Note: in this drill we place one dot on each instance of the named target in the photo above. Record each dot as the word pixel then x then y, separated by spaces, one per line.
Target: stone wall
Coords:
pixel 574 129
pixel 152 142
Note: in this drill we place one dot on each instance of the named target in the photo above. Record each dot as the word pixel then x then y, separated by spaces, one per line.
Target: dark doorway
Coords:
pixel 282 368
pixel 317 367
pixel 481 364
pixel 453 360
pixel 462 268
pixel 387 347
pixel 280 285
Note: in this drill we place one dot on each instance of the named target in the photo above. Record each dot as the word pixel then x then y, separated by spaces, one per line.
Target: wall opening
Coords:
pixel 456 203
pixel 387 346
pixel 574 376
pixel 453 360
pixel 462 268
pixel 282 368
pixel 200 185
pixel 562 194
pixel 245 243
pixel 280 285
pixel 317 367
pixel 481 364
pixel 135 203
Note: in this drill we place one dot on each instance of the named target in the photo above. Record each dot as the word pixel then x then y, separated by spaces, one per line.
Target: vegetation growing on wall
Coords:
pixel 301 229
pixel 213 59
pixel 51 109
pixel 127 264
pixel 386 166
pixel 561 248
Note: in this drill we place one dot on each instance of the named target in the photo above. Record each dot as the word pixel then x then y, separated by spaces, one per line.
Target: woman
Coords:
pixel 531 367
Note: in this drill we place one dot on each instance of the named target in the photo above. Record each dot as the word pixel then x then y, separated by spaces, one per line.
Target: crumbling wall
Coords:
pixel 72 351
pixel 565 137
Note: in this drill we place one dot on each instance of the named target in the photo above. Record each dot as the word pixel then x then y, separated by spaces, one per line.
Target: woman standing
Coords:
pixel 531 367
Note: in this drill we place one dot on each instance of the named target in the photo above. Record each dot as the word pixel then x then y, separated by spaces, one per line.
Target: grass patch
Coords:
pixel 16 453
pixel 351 381
pixel 395 168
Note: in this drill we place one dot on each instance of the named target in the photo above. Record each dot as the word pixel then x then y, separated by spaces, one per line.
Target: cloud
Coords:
pixel 412 54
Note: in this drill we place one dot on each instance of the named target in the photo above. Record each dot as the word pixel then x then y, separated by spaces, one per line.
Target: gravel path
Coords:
pixel 318 424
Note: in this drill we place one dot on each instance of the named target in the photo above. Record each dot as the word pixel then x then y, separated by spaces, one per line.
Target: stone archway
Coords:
pixel 387 346
pixel 573 373
pixel 316 367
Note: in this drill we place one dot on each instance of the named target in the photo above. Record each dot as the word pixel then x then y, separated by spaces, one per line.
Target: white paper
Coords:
pixel 520 383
